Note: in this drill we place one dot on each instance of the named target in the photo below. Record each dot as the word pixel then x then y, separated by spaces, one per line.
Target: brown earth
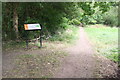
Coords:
pixel 32 63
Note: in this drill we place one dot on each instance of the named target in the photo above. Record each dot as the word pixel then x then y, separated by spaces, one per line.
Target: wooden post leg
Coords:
pixel 40 40
pixel 26 43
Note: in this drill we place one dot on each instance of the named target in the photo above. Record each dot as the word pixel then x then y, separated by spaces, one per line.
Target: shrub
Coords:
pixel 111 18
pixel 69 35
pixel 75 22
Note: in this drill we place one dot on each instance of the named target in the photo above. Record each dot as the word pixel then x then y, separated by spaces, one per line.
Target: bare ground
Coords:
pixel 32 63
pixel 82 61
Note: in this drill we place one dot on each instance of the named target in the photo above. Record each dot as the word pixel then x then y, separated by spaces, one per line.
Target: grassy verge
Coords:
pixel 105 40
pixel 11 45
pixel 68 36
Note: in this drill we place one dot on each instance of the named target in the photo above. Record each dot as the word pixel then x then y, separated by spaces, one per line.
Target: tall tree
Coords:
pixel 15 19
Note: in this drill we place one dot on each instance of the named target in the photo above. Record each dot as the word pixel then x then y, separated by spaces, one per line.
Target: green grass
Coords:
pixel 105 40
pixel 11 45
pixel 69 35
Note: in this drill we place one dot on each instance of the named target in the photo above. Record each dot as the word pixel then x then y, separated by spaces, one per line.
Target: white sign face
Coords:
pixel 32 26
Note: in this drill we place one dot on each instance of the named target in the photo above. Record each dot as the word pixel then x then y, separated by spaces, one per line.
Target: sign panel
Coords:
pixel 32 26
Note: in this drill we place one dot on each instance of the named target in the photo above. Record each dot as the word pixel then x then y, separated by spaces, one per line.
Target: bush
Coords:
pixel 92 21
pixel 64 24
pixel 69 35
pixel 75 22
pixel 111 18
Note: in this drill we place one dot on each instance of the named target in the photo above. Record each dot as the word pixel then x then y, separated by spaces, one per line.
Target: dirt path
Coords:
pixel 81 62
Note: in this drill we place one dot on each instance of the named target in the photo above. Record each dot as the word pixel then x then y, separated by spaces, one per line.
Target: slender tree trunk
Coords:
pixel 15 20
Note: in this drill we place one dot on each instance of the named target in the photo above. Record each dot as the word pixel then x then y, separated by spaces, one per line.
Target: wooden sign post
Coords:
pixel 33 27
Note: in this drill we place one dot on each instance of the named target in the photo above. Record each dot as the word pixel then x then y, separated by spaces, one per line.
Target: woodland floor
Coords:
pixel 62 61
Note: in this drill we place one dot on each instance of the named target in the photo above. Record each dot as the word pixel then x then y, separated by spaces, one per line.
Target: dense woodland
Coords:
pixel 55 17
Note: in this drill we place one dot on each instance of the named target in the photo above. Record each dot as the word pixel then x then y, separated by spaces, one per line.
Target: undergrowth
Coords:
pixel 69 35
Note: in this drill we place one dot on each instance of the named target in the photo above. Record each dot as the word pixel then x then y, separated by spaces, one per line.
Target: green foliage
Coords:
pixel 68 36
pixel 30 20
pixel 52 16
pixel 7 25
pixel 93 21
pixel 111 17
pixel 104 13
pixel 89 20
pixel 75 22
pixel 64 24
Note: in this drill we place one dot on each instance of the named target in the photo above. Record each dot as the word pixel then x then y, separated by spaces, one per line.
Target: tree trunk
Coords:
pixel 15 20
